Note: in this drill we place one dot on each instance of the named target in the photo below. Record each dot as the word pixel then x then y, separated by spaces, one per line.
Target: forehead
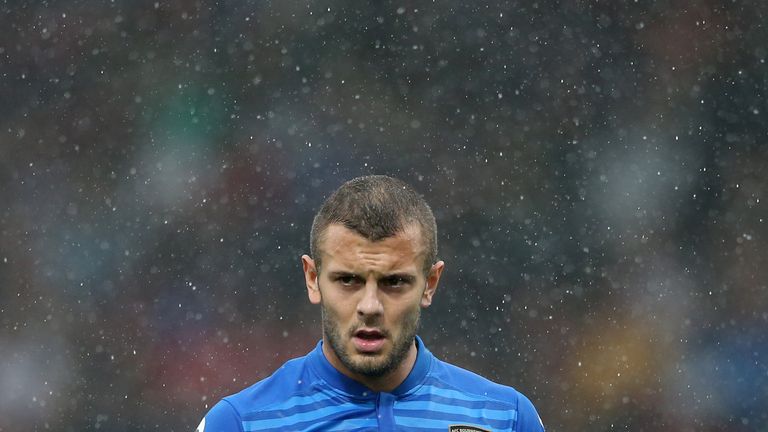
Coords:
pixel 340 246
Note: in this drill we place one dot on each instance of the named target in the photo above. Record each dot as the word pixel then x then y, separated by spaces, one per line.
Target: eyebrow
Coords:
pixel 336 274
pixel 407 277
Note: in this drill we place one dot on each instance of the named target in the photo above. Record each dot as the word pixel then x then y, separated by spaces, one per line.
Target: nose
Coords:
pixel 369 304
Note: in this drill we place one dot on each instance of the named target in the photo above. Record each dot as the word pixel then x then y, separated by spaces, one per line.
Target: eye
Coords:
pixel 395 282
pixel 347 279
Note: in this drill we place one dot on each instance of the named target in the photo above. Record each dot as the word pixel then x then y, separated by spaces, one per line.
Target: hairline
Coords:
pixel 408 224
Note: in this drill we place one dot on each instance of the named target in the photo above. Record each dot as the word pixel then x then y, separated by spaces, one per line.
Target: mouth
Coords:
pixel 368 341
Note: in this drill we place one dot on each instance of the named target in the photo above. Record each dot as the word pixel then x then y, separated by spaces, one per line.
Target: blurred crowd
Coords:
pixel 597 170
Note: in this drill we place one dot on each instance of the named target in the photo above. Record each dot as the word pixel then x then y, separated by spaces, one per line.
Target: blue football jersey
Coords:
pixel 309 394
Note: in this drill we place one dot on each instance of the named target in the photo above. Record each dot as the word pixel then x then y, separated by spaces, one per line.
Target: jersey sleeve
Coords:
pixel 528 419
pixel 221 418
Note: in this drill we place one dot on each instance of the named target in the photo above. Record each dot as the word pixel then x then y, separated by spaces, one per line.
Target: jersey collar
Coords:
pixel 347 385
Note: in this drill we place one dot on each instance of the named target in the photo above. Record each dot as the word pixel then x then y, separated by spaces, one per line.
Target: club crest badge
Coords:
pixel 466 428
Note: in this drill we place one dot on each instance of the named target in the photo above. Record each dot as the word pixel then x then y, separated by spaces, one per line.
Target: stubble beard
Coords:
pixel 370 366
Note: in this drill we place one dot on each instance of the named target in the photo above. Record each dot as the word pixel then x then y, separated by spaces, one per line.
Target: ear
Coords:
pixel 310 277
pixel 432 279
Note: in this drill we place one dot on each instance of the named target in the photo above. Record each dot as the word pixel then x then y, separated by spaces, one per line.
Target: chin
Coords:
pixel 373 359
pixel 369 364
pixel 371 369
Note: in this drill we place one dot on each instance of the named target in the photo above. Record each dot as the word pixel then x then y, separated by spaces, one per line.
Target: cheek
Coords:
pixel 340 306
pixel 404 312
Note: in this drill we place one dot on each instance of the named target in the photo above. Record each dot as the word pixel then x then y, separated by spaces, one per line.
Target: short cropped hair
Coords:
pixel 376 207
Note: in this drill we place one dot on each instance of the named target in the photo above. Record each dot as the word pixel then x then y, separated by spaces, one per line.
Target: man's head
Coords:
pixel 376 239
pixel 376 207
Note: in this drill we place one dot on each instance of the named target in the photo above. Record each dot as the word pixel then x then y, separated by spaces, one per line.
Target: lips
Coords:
pixel 368 341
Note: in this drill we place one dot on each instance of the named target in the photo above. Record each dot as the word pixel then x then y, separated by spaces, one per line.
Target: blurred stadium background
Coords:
pixel 598 171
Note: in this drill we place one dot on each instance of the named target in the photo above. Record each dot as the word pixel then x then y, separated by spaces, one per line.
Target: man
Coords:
pixel 373 267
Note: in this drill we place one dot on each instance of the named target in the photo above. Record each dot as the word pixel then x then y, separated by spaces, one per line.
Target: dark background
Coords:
pixel 597 169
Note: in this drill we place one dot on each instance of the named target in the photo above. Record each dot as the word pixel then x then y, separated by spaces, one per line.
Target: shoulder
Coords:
pixel 222 417
pixel 478 387
pixel 228 415
pixel 286 381
pixel 467 382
